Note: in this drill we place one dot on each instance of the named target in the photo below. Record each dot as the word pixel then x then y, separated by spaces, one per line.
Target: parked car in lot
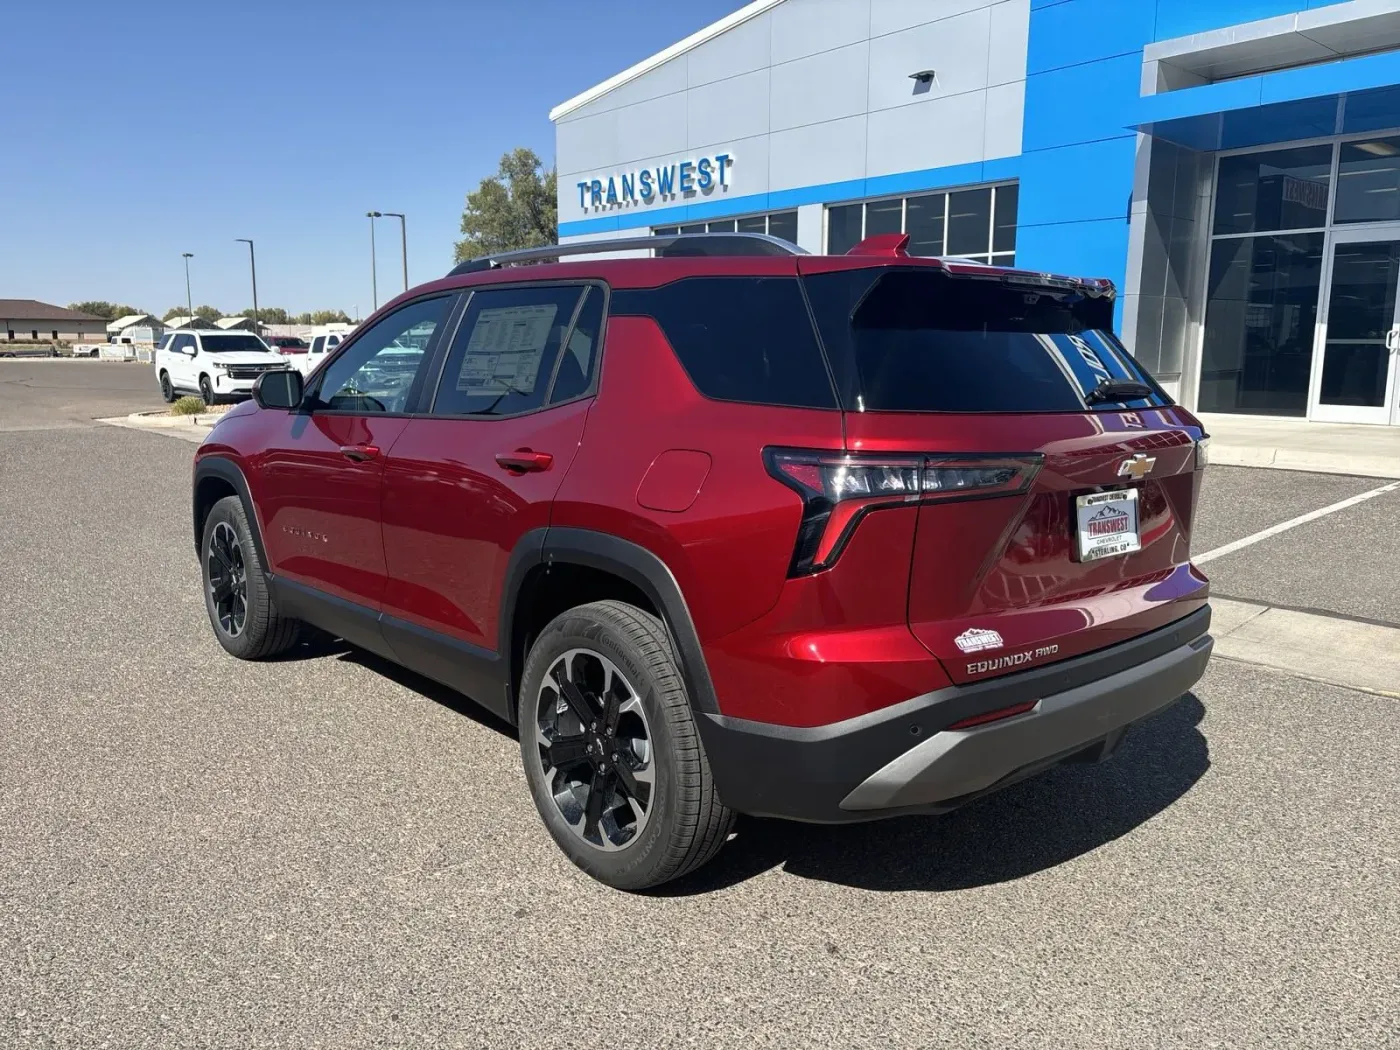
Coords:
pixel 322 343
pixel 29 350
pixel 286 345
pixel 734 529
pixel 212 364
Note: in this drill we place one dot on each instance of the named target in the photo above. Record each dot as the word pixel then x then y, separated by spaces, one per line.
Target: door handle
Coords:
pixel 359 453
pixel 524 461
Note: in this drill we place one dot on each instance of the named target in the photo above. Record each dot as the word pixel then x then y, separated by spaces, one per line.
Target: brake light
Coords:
pixel 838 489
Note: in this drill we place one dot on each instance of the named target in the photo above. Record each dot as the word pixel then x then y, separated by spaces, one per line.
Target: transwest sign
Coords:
pixel 663 182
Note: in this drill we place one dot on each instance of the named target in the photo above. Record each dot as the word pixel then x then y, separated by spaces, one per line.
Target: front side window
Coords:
pixel 504 354
pixel 376 374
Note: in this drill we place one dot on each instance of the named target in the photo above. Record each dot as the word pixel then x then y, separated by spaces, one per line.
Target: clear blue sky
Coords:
pixel 135 130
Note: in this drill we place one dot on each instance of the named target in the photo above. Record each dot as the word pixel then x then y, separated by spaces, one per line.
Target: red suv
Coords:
pixel 730 528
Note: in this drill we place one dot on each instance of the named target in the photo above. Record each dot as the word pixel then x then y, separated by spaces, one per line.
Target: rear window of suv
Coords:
pixel 923 341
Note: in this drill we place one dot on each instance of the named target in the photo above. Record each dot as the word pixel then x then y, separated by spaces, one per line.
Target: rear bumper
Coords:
pixel 904 759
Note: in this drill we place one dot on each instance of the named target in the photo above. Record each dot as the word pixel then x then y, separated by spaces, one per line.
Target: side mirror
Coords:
pixel 278 389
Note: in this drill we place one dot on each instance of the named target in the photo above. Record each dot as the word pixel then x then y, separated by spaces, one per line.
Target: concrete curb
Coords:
pixel 1347 653
pixel 189 428
pixel 1310 460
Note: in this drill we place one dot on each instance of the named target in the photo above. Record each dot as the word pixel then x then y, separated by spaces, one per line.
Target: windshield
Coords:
pixel 921 341
pixel 222 344
pixel 289 341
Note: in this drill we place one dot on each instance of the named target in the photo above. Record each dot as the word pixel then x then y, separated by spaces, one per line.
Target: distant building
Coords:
pixel 28 320
pixel 136 328
pixel 236 324
pixel 302 331
pixel 180 321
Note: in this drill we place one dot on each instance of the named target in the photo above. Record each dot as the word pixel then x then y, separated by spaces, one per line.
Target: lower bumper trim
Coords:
pixel 905 759
pixel 954 764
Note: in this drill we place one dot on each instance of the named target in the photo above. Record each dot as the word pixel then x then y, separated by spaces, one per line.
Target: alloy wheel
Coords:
pixel 228 580
pixel 594 746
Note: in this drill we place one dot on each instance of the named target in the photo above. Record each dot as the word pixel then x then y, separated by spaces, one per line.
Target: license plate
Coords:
pixel 1107 524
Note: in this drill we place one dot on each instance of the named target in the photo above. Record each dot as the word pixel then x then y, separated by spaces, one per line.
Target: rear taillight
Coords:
pixel 838 489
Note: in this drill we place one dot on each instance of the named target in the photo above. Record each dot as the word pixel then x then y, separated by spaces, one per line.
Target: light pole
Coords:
pixel 403 242
pixel 373 271
pixel 253 263
pixel 189 299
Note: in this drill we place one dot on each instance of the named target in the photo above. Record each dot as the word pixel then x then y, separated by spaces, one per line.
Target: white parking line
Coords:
pixel 1293 523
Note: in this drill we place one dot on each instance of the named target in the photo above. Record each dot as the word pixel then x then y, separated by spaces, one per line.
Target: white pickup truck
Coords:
pixel 324 339
pixel 212 364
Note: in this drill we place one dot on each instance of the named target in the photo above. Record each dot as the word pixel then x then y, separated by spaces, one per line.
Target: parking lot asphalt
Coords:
pixel 1347 563
pixel 56 394
pixel 325 851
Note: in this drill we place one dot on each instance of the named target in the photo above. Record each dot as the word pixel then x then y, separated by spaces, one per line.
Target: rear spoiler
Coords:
pixel 895 246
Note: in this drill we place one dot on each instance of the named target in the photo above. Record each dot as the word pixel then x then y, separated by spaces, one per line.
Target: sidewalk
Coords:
pixel 1289 444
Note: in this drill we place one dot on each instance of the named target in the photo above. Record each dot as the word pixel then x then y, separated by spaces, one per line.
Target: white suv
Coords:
pixel 212 364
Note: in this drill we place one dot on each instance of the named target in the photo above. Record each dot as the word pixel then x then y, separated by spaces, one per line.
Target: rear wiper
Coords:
pixel 1117 390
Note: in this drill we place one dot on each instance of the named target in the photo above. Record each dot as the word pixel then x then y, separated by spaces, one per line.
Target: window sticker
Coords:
pixel 503 354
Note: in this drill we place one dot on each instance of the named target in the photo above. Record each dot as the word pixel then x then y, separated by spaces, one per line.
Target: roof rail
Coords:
pixel 670 245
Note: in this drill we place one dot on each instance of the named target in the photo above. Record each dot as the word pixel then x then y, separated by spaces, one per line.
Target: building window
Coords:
pixel 781 224
pixel 55 335
pixel 34 334
pixel 978 223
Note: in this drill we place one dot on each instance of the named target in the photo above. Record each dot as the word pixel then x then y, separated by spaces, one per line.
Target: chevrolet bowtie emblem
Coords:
pixel 1138 467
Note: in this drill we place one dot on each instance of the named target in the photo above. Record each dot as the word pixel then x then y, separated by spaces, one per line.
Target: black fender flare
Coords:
pixel 628 561
pixel 226 470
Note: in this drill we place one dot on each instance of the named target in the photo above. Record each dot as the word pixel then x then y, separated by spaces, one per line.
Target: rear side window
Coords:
pixel 744 339
pixel 921 341
pixel 503 356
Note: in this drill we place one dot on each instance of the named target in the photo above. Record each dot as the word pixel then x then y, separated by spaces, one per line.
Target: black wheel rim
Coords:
pixel 594 748
pixel 165 385
pixel 228 580
pixel 206 391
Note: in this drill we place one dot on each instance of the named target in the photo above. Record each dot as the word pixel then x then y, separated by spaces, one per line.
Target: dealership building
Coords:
pixel 1232 165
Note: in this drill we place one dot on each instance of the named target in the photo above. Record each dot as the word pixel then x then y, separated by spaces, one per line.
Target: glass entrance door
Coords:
pixel 1357 355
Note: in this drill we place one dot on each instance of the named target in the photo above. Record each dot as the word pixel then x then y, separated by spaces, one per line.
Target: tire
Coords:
pixel 260 632
pixel 206 390
pixel 167 391
pixel 683 823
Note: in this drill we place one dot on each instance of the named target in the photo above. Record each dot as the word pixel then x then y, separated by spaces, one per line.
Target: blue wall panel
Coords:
pixel 1081 103
pixel 1077 31
pixel 1076 183
pixel 1084 249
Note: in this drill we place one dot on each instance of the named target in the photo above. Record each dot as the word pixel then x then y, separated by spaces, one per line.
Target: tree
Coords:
pixel 174 311
pixel 208 313
pixel 329 317
pixel 515 208
pixel 269 315
pixel 102 308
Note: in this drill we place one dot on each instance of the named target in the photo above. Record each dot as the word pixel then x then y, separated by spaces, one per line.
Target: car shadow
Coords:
pixel 319 645
pixel 1037 824
pixel 1031 826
